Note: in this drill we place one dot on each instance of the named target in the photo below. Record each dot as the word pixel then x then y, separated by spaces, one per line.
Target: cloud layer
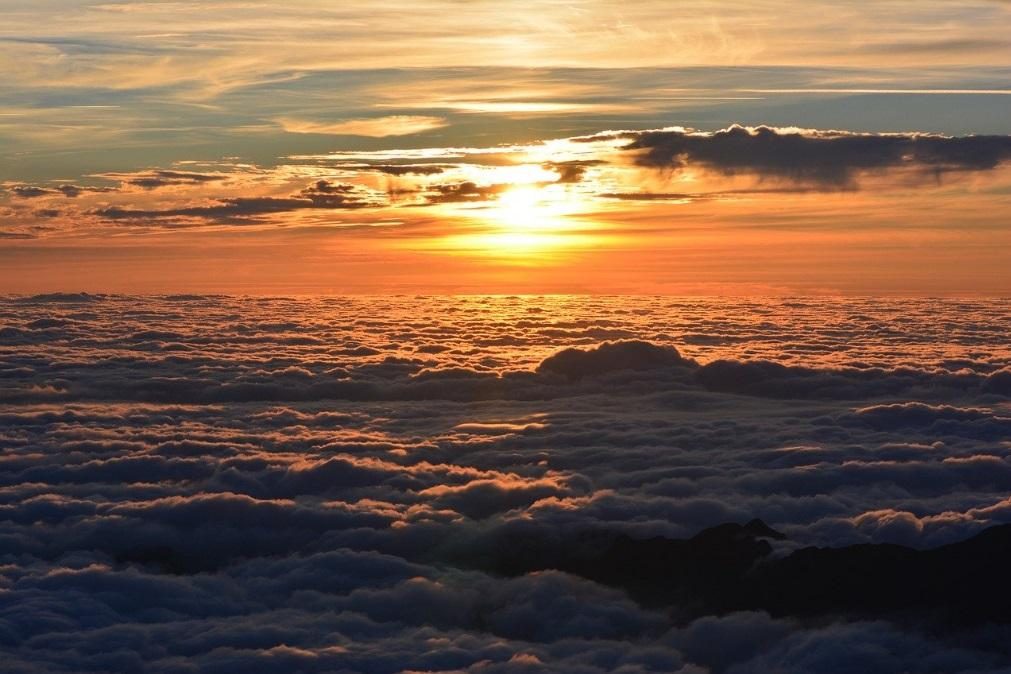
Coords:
pixel 197 483
pixel 574 175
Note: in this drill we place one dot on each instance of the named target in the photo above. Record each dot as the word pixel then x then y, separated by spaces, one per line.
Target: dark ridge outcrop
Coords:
pixel 731 567
pixel 959 584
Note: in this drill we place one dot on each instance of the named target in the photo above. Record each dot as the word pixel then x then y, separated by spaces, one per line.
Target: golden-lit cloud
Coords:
pixel 375 127
pixel 666 209
pixel 524 107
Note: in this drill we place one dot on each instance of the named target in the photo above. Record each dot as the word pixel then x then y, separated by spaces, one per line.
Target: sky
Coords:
pixel 500 337
pixel 475 147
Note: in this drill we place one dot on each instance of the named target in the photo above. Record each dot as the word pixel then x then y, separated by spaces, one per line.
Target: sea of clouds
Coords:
pixel 219 484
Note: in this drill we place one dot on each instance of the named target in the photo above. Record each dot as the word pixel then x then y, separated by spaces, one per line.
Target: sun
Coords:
pixel 534 219
pixel 526 223
pixel 524 208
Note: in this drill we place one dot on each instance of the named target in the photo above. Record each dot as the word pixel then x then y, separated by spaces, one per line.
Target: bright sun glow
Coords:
pixel 526 223
pixel 524 208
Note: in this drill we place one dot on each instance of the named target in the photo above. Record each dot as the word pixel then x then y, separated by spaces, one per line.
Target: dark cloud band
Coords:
pixel 824 157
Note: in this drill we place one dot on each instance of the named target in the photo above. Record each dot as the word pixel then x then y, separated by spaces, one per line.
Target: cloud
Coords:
pixel 608 357
pixel 481 499
pixel 163 178
pixel 464 192
pixel 819 157
pixel 651 196
pixel 227 210
pixel 573 170
pixel 868 646
pixel 390 484
pixel 320 195
pixel 66 190
pixel 407 169
pixel 571 182
pixel 29 191
pixel 373 127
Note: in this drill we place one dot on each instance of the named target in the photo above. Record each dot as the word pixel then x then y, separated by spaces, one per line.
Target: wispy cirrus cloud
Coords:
pixel 373 127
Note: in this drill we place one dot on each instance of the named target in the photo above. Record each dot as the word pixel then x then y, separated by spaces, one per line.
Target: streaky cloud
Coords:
pixel 373 127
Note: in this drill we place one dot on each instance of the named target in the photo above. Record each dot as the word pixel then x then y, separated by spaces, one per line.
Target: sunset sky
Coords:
pixel 476 146
pixel 501 337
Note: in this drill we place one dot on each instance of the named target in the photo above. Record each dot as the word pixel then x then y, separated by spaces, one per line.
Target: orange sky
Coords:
pixel 162 147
